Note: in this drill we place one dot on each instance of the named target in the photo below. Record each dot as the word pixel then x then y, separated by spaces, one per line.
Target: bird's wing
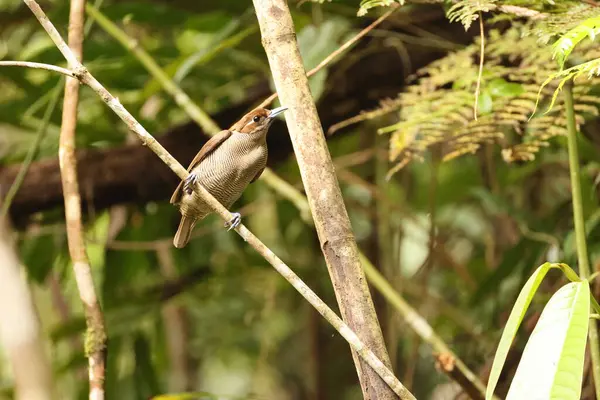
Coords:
pixel 210 146
pixel 257 175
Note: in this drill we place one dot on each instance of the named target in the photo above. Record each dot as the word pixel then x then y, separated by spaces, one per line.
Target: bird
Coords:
pixel 225 166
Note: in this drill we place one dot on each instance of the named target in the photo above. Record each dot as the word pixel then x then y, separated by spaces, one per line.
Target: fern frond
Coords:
pixel 467 11
pixel 562 21
pixel 366 5
pixel 591 68
pixel 435 109
pixel 563 47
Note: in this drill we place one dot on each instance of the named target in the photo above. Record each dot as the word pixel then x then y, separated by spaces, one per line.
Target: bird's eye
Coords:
pixel 256 118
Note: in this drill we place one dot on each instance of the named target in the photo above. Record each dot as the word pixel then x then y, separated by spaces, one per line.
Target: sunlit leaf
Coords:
pixel 552 363
pixel 516 317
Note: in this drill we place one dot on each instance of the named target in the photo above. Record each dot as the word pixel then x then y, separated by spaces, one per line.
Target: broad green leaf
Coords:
pixel 552 364
pixel 516 317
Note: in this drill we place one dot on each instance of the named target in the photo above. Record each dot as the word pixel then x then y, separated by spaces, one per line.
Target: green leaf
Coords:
pixel 552 364
pixel 516 317
pixel 563 47
pixel 590 68
pixel 501 88
pixel 485 103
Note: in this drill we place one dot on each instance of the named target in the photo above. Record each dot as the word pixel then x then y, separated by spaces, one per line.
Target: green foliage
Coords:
pixel 563 47
pixel 553 360
pixel 566 15
pixel 245 329
pixel 366 5
pixel 467 11
pixel 436 109
pixel 516 317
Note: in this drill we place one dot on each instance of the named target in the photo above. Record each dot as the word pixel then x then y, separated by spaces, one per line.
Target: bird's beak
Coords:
pixel 276 111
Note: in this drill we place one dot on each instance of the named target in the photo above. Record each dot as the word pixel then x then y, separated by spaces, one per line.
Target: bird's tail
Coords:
pixel 184 231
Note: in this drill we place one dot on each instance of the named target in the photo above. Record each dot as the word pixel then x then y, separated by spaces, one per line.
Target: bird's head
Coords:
pixel 258 121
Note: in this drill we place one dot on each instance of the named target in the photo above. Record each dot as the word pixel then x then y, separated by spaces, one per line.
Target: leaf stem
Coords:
pixel 578 219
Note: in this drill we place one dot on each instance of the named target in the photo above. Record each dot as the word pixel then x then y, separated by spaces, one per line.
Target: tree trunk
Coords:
pixel 324 195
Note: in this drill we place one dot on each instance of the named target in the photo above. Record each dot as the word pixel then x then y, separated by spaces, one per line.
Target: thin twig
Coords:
pixel 85 77
pixel 35 65
pixel 32 153
pixel 338 51
pixel 481 55
pixel 96 334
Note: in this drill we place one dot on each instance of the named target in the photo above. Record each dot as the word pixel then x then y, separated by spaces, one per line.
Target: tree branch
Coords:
pixel 85 77
pixel 35 65
pixel 96 334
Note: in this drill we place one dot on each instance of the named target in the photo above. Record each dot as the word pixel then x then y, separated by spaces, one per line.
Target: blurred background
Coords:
pixel 455 213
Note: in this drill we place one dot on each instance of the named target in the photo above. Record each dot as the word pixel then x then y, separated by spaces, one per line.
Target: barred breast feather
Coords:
pixel 225 173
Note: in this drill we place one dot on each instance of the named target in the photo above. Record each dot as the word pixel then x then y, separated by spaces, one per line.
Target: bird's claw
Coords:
pixel 189 183
pixel 234 222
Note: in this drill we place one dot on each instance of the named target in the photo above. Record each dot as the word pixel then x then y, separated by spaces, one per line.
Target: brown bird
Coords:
pixel 225 166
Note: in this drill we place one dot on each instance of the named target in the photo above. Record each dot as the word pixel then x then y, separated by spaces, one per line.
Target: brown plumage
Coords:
pixel 225 166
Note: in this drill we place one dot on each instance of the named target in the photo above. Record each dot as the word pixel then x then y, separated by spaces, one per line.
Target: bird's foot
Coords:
pixel 234 222
pixel 189 183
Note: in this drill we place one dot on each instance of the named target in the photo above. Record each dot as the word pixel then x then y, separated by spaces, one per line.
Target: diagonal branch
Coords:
pixel 85 77
pixel 96 334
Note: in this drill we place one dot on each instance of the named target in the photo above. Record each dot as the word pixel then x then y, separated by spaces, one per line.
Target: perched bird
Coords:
pixel 225 166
